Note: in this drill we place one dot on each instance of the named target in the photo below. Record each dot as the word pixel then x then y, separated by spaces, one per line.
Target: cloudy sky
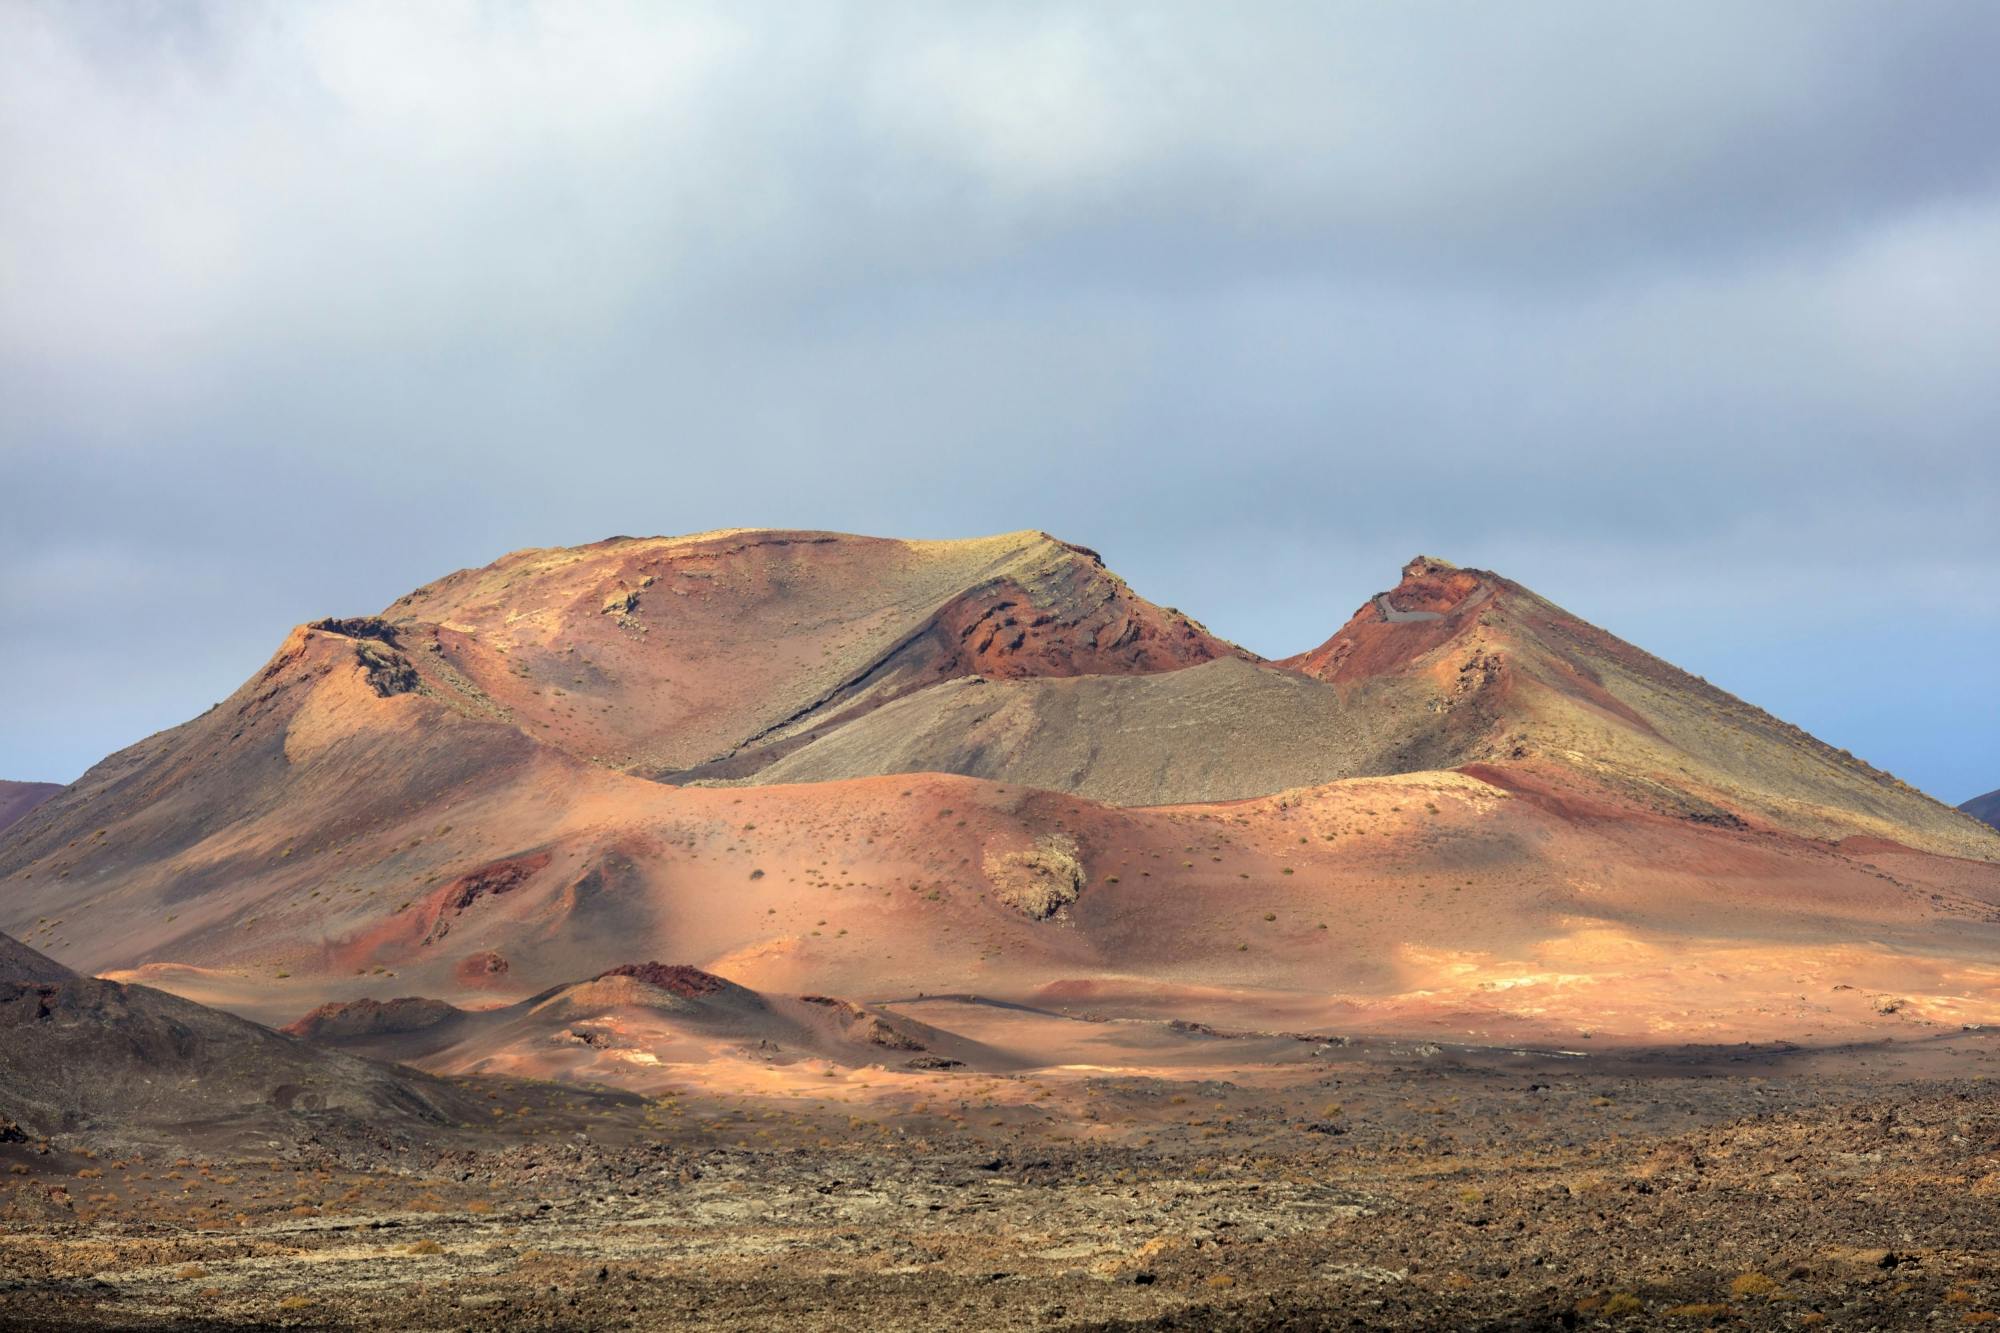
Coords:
pixel 1685 314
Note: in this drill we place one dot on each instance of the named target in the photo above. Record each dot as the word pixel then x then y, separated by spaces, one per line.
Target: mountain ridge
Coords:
pixel 838 623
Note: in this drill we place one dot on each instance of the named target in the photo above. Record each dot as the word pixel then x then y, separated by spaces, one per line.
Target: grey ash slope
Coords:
pixel 1224 730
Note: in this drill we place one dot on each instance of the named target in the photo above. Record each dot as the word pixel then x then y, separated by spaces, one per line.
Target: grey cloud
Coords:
pixel 1679 312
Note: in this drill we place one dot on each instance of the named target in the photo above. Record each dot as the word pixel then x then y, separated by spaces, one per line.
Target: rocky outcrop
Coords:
pixel 388 671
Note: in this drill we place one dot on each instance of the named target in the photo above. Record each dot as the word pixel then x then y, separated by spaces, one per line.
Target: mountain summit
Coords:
pixel 677 657
pixel 1503 678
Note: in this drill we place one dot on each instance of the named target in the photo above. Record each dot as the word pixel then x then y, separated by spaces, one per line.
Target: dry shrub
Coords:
pixel 426 1246
pixel 1754 1284
pixel 1041 881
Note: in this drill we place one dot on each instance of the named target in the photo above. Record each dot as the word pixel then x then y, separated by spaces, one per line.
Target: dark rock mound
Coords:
pixel 352 1019
pixel 690 983
pixel 477 968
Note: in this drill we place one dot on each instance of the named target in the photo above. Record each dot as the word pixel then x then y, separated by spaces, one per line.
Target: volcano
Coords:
pixel 818 764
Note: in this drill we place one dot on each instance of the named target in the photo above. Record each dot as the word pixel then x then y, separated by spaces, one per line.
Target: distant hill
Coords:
pixel 589 1031
pixel 17 799
pixel 1985 807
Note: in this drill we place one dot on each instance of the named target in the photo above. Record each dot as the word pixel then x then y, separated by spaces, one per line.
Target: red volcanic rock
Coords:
pixel 1436 585
pixel 1431 607
pixel 480 968
pixel 497 878
pixel 698 657
pixel 490 880
pixel 1086 625
pixel 676 978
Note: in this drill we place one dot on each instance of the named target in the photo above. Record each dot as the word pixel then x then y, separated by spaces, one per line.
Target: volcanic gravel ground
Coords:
pixel 1396 1187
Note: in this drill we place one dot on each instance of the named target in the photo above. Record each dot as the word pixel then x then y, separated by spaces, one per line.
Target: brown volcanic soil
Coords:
pixel 19 799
